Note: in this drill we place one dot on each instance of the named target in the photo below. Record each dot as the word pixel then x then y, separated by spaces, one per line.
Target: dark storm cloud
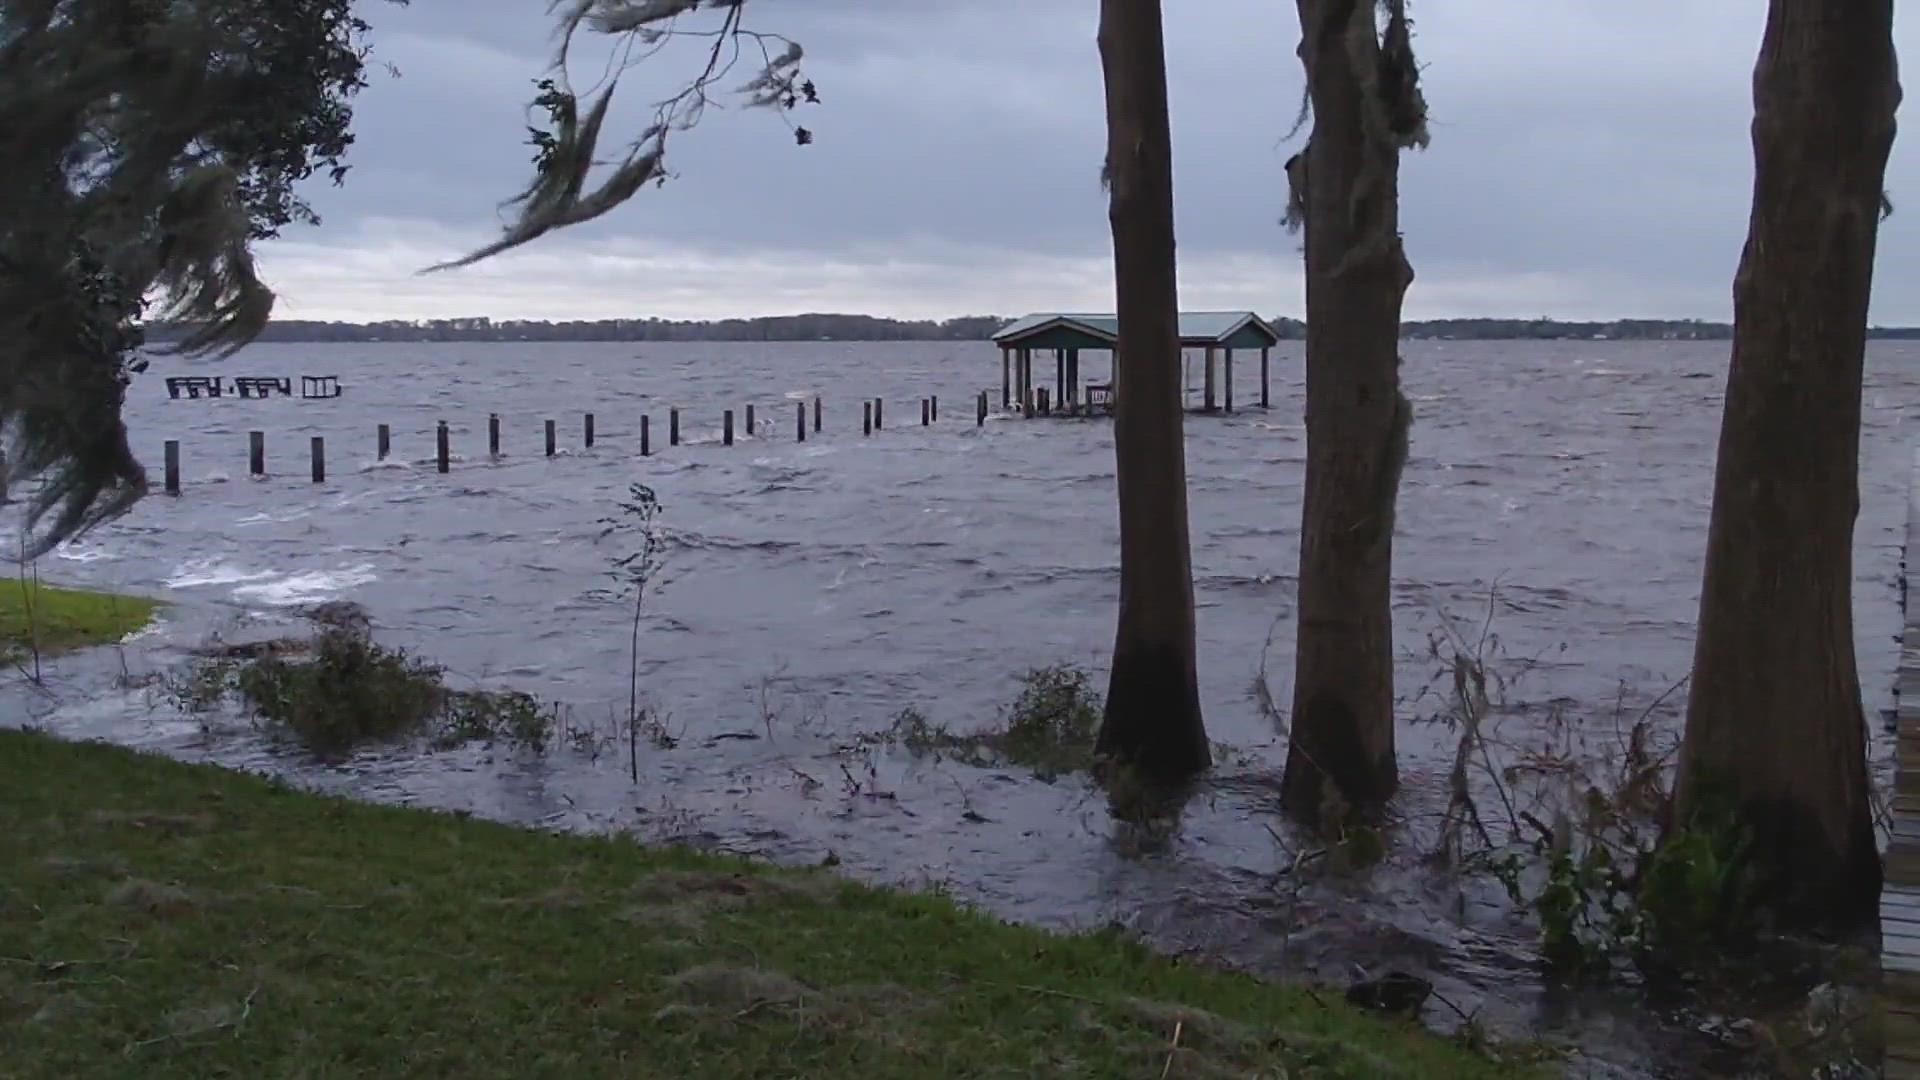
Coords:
pixel 1590 157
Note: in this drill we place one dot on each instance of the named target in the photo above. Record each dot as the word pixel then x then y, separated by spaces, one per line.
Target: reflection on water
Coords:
pixel 812 590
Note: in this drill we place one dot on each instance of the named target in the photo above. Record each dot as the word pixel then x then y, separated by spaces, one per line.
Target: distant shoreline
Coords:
pixel 972 328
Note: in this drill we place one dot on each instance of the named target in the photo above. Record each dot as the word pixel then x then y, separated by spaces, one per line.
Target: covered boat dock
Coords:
pixel 1216 334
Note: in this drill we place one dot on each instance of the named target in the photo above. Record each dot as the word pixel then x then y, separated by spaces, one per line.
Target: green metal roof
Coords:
pixel 1098 331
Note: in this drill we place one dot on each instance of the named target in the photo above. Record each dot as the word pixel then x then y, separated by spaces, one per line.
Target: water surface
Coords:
pixel 810 591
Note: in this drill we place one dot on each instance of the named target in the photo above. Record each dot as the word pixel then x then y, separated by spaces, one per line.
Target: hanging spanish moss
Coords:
pixel 567 148
pixel 148 144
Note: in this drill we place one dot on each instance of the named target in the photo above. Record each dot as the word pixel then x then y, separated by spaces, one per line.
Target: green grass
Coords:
pixel 162 919
pixel 61 620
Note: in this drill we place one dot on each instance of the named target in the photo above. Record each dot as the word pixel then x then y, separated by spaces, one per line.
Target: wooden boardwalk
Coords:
pixel 1900 895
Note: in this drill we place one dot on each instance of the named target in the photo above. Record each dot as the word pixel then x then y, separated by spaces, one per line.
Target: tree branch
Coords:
pixel 564 152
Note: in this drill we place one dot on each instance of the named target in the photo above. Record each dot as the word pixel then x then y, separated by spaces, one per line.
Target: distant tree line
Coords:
pixel 811 327
pixel 830 327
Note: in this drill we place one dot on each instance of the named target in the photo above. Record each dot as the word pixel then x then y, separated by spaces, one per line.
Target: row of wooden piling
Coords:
pixel 872 419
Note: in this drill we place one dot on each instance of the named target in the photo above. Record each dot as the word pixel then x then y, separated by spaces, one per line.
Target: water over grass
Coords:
pixel 163 919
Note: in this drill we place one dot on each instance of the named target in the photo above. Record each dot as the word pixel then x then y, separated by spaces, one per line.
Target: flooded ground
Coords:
pixel 811 591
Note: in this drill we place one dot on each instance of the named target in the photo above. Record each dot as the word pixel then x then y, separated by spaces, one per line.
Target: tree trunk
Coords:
pixel 1153 719
pixel 1345 191
pixel 1775 731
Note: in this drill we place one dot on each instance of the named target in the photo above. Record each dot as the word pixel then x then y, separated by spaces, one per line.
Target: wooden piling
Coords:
pixel 816 414
pixel 799 421
pixel 866 418
pixel 173 466
pixel 442 453
pixel 751 429
pixel 980 410
pixel 935 400
pixel 383 441
pixel 726 428
pixel 926 412
pixel 586 433
pixel 1046 403
pixel 319 451
pixel 553 441
pixel 493 434
pixel 877 403
pixel 256 453
pixel 673 427
pixel 646 435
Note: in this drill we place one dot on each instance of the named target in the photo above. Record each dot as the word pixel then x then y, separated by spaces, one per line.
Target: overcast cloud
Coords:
pixel 1590 160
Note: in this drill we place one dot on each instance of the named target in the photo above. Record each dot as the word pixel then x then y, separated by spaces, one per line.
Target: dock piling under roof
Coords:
pixel 1066 335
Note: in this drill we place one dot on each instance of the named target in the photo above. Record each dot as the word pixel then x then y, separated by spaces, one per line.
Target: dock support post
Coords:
pixel 646 436
pixel 1207 402
pixel 319 459
pixel 926 412
pixel 1228 361
pixel 173 466
pixel 382 442
pixel 935 399
pixel 726 428
pixel 1264 350
pixel 1046 402
pixel 751 428
pixel 442 450
pixel 1059 375
pixel 552 442
pixel 256 453
pixel 1006 378
pixel 980 410
pixel 866 418
pixel 816 414
pixel 673 427
pixel 878 404
pixel 586 433
pixel 493 435
pixel 799 421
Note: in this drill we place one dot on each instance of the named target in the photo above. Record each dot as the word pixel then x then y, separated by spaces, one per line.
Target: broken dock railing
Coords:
pixel 312 387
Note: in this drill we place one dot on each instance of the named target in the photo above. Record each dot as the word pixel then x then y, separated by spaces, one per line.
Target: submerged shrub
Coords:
pixel 1052 725
pixel 511 717
pixel 345 690
pixel 1050 728
pixel 351 691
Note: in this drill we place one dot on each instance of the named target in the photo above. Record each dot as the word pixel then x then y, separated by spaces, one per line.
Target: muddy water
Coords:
pixel 810 591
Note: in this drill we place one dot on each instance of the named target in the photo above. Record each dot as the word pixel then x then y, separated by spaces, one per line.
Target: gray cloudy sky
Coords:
pixel 1590 160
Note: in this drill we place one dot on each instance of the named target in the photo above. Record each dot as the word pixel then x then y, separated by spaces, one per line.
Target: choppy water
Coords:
pixel 810 591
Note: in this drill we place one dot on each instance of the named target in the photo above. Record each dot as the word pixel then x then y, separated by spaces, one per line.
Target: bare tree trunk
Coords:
pixel 1775 731
pixel 1153 719
pixel 1345 190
